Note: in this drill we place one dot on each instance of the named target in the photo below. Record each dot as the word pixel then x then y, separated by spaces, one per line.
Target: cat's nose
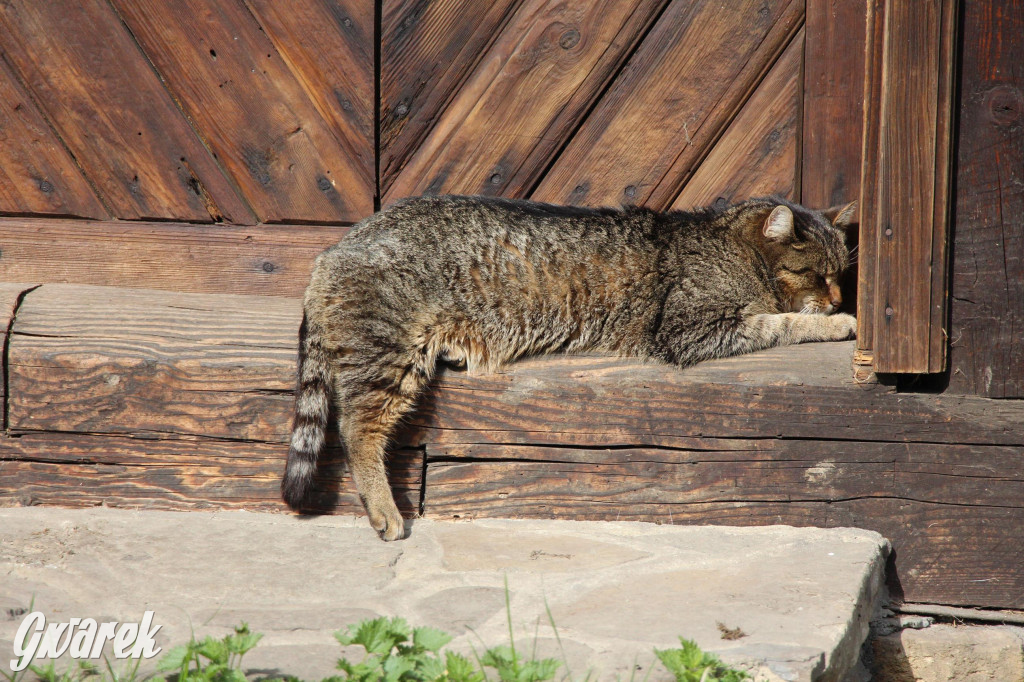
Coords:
pixel 834 295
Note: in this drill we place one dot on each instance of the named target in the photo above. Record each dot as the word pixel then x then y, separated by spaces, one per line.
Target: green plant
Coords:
pixel 690 664
pixel 397 653
pixel 209 660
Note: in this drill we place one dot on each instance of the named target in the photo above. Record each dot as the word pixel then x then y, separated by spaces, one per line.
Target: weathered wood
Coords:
pixel 184 400
pixel 259 260
pixel 795 392
pixel 868 204
pixel 987 346
pixel 911 202
pixel 250 109
pixel 632 481
pixel 428 49
pixel 106 360
pixel 953 513
pixel 833 102
pixel 10 296
pixel 37 175
pixel 757 155
pixel 497 135
pixel 85 469
pixel 328 45
pixel 680 89
pixel 110 109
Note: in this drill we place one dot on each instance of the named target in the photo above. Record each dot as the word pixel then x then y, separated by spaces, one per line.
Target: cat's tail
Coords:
pixel 312 410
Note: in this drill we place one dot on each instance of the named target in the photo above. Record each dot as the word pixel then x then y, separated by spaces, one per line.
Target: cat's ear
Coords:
pixel 841 215
pixel 779 225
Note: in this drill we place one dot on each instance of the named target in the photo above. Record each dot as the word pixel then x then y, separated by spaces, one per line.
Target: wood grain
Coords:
pixel 757 154
pixel 529 90
pixel 10 297
pixel 50 468
pixel 671 102
pixel 250 110
pixel 912 185
pixel 833 102
pixel 987 349
pixel 794 392
pixel 328 45
pixel 260 260
pixel 867 312
pixel 428 49
pixel 107 360
pixel 112 112
pixel 37 175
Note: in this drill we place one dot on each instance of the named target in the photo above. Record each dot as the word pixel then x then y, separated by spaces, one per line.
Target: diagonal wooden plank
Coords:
pixel 833 101
pixel 37 175
pixel 88 76
pixel 684 84
pixel 428 49
pixel 328 45
pixel 757 155
pixel 250 109
pixel 524 98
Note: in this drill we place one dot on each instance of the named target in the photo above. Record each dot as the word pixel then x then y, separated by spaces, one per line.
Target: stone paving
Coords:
pixel 800 597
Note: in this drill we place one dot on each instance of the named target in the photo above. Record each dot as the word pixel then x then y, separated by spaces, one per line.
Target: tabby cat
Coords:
pixel 484 281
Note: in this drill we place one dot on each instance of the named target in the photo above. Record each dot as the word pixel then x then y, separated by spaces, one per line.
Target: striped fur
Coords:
pixel 484 281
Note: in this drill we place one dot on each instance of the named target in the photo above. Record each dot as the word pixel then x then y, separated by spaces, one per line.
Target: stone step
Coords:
pixel 797 601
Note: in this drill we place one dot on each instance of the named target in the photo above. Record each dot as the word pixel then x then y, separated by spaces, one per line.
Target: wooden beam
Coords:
pixel 262 260
pixel 911 121
pixel 81 469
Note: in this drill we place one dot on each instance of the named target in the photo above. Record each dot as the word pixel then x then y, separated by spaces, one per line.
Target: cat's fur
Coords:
pixel 484 281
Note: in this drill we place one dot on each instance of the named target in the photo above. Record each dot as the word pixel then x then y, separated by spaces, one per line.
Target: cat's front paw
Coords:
pixel 844 326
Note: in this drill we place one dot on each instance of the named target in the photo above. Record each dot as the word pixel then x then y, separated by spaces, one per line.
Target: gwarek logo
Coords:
pixel 82 638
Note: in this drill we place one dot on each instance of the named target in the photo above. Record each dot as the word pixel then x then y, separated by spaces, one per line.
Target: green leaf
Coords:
pixel 174 659
pixel 429 639
pixel 395 667
pixel 461 669
pixel 214 649
pixel 378 635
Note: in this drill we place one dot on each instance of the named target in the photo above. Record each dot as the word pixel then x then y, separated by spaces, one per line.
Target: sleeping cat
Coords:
pixel 484 281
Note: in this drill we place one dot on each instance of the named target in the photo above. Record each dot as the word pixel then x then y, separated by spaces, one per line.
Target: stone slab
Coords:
pixel 802 597
pixel 950 653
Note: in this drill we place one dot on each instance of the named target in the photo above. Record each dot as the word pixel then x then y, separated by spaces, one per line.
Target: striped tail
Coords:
pixel 312 409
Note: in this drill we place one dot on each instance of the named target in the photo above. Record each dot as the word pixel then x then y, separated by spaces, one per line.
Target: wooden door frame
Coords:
pixel 906 175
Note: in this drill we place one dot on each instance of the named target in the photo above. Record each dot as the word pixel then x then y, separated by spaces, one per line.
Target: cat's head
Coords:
pixel 807 253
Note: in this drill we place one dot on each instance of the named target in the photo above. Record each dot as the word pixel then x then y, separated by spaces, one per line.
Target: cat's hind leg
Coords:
pixel 370 408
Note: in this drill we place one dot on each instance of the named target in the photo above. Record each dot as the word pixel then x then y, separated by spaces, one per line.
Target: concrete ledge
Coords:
pixel 802 597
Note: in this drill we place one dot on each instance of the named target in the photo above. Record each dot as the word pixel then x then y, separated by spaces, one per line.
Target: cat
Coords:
pixel 483 281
